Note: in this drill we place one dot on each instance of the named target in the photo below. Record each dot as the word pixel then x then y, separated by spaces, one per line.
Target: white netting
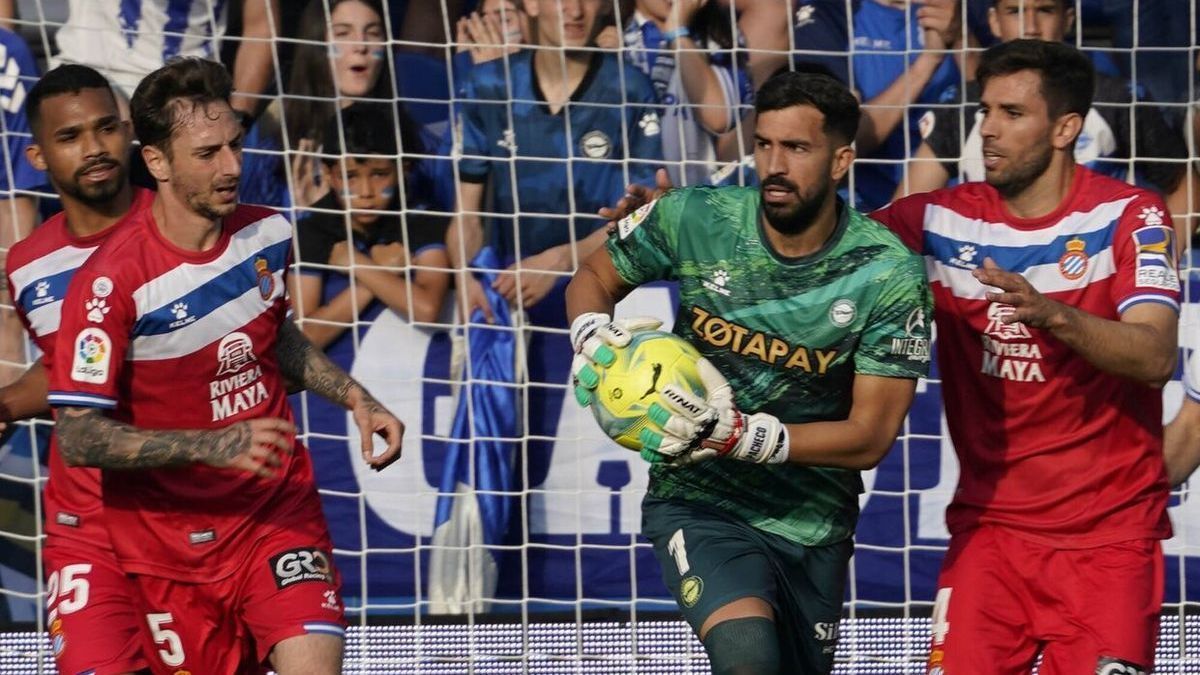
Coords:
pixel 569 586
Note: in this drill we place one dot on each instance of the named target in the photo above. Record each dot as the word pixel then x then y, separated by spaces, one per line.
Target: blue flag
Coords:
pixel 475 494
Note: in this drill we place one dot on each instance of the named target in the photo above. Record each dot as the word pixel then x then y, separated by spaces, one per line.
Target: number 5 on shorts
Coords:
pixel 172 653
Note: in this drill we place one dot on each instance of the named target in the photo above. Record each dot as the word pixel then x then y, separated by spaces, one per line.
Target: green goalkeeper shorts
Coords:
pixel 710 559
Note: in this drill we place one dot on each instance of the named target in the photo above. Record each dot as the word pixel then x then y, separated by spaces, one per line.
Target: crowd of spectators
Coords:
pixel 403 138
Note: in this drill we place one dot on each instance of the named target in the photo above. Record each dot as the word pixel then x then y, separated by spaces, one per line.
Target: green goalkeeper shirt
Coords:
pixel 789 333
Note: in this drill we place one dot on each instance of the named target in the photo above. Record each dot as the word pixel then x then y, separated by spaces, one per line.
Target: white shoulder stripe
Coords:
pixel 1045 278
pixel 946 222
pixel 207 329
pixel 1147 297
pixel 188 277
pixel 55 262
pixel 61 398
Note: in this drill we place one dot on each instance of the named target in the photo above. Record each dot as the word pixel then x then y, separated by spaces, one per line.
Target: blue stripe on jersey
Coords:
pixel 210 296
pixel 1016 258
pixel 130 14
pixel 75 399
pixel 55 289
pixel 175 27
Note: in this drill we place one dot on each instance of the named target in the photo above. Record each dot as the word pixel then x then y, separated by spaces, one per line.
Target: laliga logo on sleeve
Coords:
pixel 93 350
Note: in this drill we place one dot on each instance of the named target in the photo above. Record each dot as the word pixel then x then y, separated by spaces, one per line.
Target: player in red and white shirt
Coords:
pixel 94 622
pixel 1056 298
pixel 175 342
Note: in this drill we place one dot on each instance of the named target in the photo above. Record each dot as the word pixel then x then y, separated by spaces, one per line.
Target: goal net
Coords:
pixel 506 539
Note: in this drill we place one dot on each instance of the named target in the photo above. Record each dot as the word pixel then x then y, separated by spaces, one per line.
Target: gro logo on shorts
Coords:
pixel 1110 666
pixel 299 565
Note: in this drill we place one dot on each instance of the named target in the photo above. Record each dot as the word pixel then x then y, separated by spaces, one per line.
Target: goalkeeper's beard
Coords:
pixel 798 217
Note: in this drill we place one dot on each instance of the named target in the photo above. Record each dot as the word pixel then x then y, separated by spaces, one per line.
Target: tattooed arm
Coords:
pixel 87 437
pixel 303 364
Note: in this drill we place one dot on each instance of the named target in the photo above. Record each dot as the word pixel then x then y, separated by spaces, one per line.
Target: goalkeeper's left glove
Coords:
pixel 689 429
pixel 594 336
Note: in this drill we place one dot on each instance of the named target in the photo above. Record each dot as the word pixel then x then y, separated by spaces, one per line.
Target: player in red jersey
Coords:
pixel 79 140
pixel 177 327
pixel 1056 301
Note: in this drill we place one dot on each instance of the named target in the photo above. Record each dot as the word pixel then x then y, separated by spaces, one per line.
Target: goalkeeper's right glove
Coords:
pixel 690 429
pixel 594 337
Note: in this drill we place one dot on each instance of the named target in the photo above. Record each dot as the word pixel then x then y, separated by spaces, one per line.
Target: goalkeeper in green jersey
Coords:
pixel 814 324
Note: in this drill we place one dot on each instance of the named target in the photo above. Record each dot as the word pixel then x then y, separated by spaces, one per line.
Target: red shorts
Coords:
pixel 1002 599
pixel 93 616
pixel 288 586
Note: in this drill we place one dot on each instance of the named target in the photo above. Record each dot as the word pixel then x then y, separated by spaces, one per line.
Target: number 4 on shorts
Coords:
pixel 172 653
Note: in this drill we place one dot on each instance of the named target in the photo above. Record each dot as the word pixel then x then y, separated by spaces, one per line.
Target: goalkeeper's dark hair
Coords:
pixel 370 128
pixel 165 97
pixel 1068 80
pixel 786 89
pixel 65 79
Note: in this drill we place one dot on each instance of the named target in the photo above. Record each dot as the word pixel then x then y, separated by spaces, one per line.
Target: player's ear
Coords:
pixel 33 153
pixel 531 8
pixel 156 163
pixel 843 157
pixel 1066 129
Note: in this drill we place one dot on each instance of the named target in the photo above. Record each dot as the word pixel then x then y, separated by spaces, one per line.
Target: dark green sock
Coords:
pixel 743 647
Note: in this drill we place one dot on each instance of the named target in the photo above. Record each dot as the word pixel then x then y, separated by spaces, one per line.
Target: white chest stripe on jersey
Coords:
pixel 948 223
pixel 1046 278
pixel 56 262
pixel 175 284
pixel 207 329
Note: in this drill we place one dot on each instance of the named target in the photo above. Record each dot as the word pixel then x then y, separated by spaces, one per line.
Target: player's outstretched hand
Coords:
pixel 594 337
pixel 372 418
pixel 1028 305
pixel 721 429
pixel 636 196
pixel 255 446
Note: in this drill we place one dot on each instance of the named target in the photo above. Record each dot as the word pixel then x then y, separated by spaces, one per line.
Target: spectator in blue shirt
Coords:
pixel 904 53
pixel 555 137
pixel 343 58
pixel 687 50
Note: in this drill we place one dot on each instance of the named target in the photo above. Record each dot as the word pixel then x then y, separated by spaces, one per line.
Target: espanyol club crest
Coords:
pixel 1074 263
pixel 266 282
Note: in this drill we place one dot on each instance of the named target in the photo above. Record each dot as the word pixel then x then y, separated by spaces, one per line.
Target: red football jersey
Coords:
pixel 168 338
pixel 39 268
pixel 1047 443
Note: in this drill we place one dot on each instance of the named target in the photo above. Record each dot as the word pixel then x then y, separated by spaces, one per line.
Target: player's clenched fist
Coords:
pixel 689 429
pixel 594 336
pixel 254 446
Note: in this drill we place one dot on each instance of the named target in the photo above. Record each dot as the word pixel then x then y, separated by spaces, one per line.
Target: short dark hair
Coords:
pixel 825 93
pixel 65 79
pixel 369 128
pixel 1068 80
pixel 194 80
